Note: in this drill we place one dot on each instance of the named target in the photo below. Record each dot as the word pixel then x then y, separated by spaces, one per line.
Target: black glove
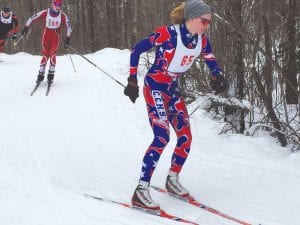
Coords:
pixel 132 89
pixel 25 31
pixel 218 83
pixel 14 37
pixel 67 42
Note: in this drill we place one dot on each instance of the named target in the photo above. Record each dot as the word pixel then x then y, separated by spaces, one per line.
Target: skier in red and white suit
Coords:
pixel 54 18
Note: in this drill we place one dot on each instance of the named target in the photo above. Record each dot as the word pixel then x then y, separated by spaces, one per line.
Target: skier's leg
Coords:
pixel 160 126
pixel 178 117
pixel 1 46
pixel 43 63
pixel 179 120
pixel 161 130
pixel 53 51
pixel 2 42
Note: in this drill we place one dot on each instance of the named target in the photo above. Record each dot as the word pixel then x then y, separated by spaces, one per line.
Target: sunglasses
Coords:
pixel 205 21
pixel 57 4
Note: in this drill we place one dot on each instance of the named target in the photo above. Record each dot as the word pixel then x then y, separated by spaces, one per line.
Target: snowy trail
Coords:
pixel 87 137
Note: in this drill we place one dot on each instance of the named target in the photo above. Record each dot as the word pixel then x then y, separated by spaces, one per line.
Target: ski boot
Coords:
pixel 40 77
pixel 174 187
pixel 50 77
pixel 142 199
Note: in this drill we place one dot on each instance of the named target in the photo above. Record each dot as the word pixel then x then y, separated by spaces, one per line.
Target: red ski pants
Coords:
pixel 50 44
pixel 2 42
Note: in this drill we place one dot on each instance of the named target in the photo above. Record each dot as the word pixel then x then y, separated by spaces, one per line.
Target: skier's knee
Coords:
pixel 162 139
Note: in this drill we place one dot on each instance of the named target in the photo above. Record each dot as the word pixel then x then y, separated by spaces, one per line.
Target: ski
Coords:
pixel 198 204
pixel 160 212
pixel 35 88
pixel 48 89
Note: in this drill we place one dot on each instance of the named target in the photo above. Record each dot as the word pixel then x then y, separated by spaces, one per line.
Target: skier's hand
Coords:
pixel 67 42
pixel 218 83
pixel 14 37
pixel 132 89
pixel 25 31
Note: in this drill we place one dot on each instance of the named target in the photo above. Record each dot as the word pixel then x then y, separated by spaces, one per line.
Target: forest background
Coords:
pixel 256 42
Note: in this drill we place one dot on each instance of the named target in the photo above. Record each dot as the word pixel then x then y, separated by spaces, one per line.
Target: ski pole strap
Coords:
pixel 103 71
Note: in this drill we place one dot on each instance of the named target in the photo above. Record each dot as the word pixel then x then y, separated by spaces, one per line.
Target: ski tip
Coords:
pixel 94 197
pixel 88 195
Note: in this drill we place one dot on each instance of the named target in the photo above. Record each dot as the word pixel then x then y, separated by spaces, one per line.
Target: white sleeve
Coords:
pixel 68 25
pixel 36 17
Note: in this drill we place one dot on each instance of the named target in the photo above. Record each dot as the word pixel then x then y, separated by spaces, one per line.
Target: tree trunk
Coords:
pixel 236 116
pixel 271 113
pixel 290 61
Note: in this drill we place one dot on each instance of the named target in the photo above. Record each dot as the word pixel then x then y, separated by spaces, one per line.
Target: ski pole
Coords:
pixel 103 71
pixel 20 38
pixel 71 61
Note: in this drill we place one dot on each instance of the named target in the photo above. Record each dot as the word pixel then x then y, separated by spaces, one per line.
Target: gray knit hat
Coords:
pixel 195 8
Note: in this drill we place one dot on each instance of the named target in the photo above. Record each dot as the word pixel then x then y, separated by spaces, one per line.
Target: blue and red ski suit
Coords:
pixel 165 106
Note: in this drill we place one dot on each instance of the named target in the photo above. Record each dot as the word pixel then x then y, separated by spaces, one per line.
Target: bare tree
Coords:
pixel 257 43
pixel 290 69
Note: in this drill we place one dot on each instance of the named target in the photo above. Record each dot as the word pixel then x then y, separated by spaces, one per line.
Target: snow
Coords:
pixel 87 137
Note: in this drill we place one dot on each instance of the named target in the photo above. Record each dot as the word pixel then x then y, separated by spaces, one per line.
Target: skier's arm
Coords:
pixel 217 80
pixel 209 58
pixel 159 36
pixel 67 23
pixel 36 17
pixel 16 25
